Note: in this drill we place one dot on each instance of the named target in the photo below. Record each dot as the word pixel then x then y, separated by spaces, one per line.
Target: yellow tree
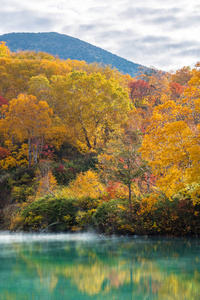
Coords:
pixel 86 185
pixel 4 50
pixel 91 106
pixel 182 76
pixel 46 180
pixel 172 142
pixel 166 148
pixel 39 87
pixel 27 119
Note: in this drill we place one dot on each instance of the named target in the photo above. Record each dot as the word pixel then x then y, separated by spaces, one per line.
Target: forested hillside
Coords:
pixel 83 147
pixel 66 47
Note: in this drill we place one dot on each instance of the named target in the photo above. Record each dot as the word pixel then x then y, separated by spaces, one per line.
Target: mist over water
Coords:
pixel 90 266
pixel 6 237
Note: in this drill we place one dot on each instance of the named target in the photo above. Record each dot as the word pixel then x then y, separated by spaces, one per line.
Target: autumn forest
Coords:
pixel 84 147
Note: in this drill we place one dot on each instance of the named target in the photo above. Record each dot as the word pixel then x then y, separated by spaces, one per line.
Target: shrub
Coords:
pixel 165 217
pixel 114 217
pixel 21 193
pixel 52 213
pixel 86 207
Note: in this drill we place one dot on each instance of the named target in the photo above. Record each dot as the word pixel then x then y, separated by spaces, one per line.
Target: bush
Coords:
pixel 16 185
pixel 86 208
pixel 21 193
pixel 52 213
pixel 114 217
pixel 166 217
pixel 86 203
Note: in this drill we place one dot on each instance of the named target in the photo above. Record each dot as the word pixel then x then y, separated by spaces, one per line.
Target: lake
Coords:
pixel 89 266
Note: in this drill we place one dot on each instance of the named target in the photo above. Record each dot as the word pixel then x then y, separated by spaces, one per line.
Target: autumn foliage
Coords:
pixel 116 153
pixel 140 90
pixel 3 101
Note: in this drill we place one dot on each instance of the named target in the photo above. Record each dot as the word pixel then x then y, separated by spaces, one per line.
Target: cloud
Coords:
pixel 32 22
pixel 151 32
pixel 187 22
pixel 194 51
pixel 162 20
pixel 160 52
pixel 154 39
pixel 144 12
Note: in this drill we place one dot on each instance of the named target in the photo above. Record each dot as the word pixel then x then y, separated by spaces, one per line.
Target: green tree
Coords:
pixel 121 161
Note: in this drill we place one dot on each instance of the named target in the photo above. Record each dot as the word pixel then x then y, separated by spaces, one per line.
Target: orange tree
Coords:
pixel 172 142
pixel 27 120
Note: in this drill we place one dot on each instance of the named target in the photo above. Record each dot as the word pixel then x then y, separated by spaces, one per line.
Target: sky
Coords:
pixel 155 33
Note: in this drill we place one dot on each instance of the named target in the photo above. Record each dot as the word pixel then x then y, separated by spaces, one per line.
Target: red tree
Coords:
pixel 3 101
pixel 4 153
pixel 138 91
pixel 176 90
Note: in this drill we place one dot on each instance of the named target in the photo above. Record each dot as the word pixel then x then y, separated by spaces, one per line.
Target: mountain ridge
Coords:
pixel 66 47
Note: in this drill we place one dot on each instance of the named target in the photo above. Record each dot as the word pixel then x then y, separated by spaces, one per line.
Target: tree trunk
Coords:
pixel 29 153
pixel 36 151
pixel 106 134
pixel 86 137
pixel 85 133
pixel 148 182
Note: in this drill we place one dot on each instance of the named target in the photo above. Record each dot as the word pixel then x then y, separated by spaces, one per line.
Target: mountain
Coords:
pixel 68 47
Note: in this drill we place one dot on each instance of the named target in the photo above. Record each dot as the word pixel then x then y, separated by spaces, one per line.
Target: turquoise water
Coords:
pixel 88 266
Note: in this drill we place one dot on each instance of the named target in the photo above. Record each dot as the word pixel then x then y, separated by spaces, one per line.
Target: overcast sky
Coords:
pixel 163 34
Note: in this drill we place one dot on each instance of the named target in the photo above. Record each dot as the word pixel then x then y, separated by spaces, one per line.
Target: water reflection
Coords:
pixel 87 266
